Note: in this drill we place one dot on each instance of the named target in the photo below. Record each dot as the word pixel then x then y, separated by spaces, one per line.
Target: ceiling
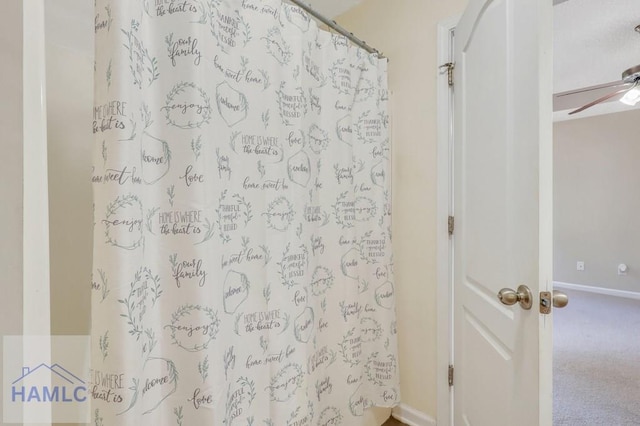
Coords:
pixel 594 42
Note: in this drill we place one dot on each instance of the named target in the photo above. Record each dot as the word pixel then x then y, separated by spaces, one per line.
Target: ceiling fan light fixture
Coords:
pixel 630 92
pixel 632 97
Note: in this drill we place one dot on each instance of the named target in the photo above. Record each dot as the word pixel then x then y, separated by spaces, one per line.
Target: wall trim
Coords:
pixel 598 290
pixel 36 257
pixel 411 416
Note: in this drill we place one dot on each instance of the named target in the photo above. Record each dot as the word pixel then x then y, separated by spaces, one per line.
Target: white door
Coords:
pixel 503 196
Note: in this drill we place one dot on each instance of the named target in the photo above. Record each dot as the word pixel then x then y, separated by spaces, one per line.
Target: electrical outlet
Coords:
pixel 622 269
pixel 580 265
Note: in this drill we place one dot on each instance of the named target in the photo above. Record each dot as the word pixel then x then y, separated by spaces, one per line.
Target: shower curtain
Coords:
pixel 242 232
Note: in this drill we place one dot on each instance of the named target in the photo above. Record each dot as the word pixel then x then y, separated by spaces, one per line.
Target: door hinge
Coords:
pixel 451 225
pixel 451 375
pixel 448 68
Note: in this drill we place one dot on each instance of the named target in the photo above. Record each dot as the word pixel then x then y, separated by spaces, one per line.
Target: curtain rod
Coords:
pixel 335 26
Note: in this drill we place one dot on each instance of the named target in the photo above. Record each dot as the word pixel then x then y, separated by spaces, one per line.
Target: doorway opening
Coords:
pixel 598 302
pixel 596 199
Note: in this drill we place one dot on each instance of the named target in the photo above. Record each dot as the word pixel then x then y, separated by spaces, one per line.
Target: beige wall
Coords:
pixel 597 200
pixel 70 142
pixel 11 170
pixel 405 31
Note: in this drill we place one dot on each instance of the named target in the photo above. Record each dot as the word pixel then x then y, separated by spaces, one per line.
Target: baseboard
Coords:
pixel 599 290
pixel 411 416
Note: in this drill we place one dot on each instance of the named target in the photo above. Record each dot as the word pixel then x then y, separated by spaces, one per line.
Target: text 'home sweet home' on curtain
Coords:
pixel 242 256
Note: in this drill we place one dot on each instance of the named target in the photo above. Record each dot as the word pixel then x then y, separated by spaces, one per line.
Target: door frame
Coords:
pixel 445 243
pixel 444 273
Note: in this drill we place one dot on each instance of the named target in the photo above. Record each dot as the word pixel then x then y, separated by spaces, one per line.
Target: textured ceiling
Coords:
pixel 594 41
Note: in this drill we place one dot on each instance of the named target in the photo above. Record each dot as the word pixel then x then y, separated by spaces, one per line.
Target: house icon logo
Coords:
pixel 46 384
pixel 45 379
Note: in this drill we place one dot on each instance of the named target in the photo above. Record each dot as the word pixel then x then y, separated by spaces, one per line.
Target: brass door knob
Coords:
pixel 510 297
pixel 560 299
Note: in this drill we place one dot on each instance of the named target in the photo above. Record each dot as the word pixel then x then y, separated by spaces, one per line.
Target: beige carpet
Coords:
pixel 597 361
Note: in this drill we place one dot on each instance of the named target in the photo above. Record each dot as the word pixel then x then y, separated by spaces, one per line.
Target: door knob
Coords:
pixel 523 296
pixel 560 299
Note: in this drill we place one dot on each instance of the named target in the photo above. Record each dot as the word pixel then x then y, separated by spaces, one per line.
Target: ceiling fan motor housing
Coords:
pixel 631 75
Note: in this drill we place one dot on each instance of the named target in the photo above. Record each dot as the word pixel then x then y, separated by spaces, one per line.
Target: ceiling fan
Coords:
pixel 628 87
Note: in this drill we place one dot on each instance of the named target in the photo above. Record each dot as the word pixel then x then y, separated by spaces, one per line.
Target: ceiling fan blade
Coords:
pixel 602 99
pixel 592 88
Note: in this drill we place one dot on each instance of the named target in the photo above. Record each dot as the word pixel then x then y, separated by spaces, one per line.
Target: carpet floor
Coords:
pixel 596 361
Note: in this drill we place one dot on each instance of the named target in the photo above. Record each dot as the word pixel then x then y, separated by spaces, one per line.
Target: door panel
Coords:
pixel 488 348
pixel 502 140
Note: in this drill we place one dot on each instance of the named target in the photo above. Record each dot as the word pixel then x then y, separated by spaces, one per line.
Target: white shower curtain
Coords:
pixel 242 258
